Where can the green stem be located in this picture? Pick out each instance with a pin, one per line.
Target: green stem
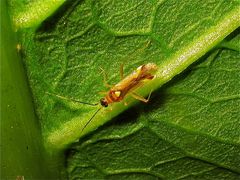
(35, 13)
(22, 151)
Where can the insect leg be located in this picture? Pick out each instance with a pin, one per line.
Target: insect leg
(103, 92)
(140, 98)
(121, 72)
(105, 78)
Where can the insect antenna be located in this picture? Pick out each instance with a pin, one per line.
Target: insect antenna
(71, 99)
(91, 119)
(77, 101)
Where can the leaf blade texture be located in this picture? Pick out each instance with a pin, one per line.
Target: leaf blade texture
(186, 116)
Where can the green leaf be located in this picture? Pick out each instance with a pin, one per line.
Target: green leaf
(190, 131)
(64, 55)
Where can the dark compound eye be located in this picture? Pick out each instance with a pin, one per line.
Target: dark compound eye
(103, 102)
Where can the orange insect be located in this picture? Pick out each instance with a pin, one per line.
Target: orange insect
(126, 86)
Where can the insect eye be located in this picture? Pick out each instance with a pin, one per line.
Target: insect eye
(103, 102)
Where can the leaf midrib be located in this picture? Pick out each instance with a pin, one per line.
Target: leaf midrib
(170, 68)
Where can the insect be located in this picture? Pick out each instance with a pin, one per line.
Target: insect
(125, 87)
(128, 84)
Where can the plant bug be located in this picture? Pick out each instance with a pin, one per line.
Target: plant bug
(128, 84)
(125, 87)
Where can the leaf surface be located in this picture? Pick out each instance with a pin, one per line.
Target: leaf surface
(193, 120)
(191, 130)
